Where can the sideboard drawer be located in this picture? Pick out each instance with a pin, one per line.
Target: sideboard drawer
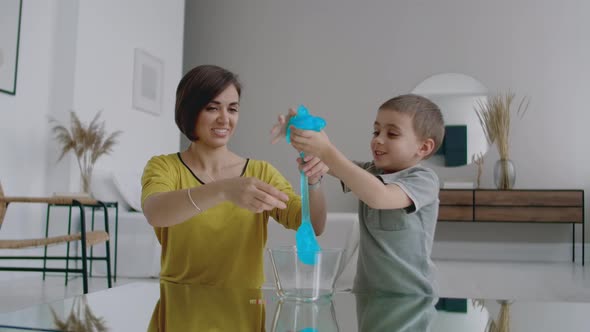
(456, 197)
(528, 214)
(455, 213)
(529, 198)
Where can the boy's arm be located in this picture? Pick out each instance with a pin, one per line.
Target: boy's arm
(366, 186)
(363, 184)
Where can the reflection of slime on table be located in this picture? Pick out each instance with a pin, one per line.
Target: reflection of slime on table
(307, 244)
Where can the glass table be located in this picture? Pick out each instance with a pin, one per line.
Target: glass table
(152, 306)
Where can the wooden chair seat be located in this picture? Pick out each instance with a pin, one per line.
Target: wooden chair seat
(92, 238)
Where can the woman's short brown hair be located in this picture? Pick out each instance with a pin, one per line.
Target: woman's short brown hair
(426, 116)
(195, 90)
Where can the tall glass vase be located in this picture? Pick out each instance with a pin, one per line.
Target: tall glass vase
(504, 174)
(85, 182)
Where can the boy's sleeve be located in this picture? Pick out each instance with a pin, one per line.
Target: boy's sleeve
(420, 184)
(366, 165)
(289, 217)
(157, 177)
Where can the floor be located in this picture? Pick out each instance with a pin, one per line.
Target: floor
(563, 282)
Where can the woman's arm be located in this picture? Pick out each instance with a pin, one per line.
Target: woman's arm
(174, 207)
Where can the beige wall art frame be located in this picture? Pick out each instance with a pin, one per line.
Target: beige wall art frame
(148, 76)
(10, 18)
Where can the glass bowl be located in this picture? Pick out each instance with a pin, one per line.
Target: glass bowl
(296, 280)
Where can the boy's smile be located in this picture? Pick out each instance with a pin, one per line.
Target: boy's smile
(395, 145)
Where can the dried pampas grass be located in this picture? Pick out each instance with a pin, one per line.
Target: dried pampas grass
(495, 115)
(87, 142)
(500, 324)
(80, 319)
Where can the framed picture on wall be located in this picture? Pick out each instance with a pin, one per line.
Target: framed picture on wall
(148, 75)
(10, 16)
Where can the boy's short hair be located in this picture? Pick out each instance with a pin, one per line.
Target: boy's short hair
(426, 116)
(195, 90)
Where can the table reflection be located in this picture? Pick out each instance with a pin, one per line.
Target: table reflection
(316, 316)
(191, 308)
(199, 308)
(174, 307)
(390, 312)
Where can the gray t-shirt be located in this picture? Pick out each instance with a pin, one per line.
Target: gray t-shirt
(395, 245)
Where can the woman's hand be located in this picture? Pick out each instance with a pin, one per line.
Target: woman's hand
(279, 130)
(313, 168)
(254, 194)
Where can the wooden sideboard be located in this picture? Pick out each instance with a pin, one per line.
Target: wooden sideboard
(514, 206)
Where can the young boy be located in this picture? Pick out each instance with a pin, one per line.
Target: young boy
(398, 197)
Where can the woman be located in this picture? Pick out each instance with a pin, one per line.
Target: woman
(209, 206)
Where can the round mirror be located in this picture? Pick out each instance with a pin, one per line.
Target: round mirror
(457, 96)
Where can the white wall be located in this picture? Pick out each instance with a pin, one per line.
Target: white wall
(23, 122)
(22, 116)
(108, 33)
(343, 58)
(78, 55)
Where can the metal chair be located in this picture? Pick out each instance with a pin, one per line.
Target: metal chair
(87, 239)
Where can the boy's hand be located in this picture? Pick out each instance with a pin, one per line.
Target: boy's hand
(313, 168)
(310, 142)
(279, 130)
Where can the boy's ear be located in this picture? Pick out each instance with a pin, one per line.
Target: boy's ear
(426, 148)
